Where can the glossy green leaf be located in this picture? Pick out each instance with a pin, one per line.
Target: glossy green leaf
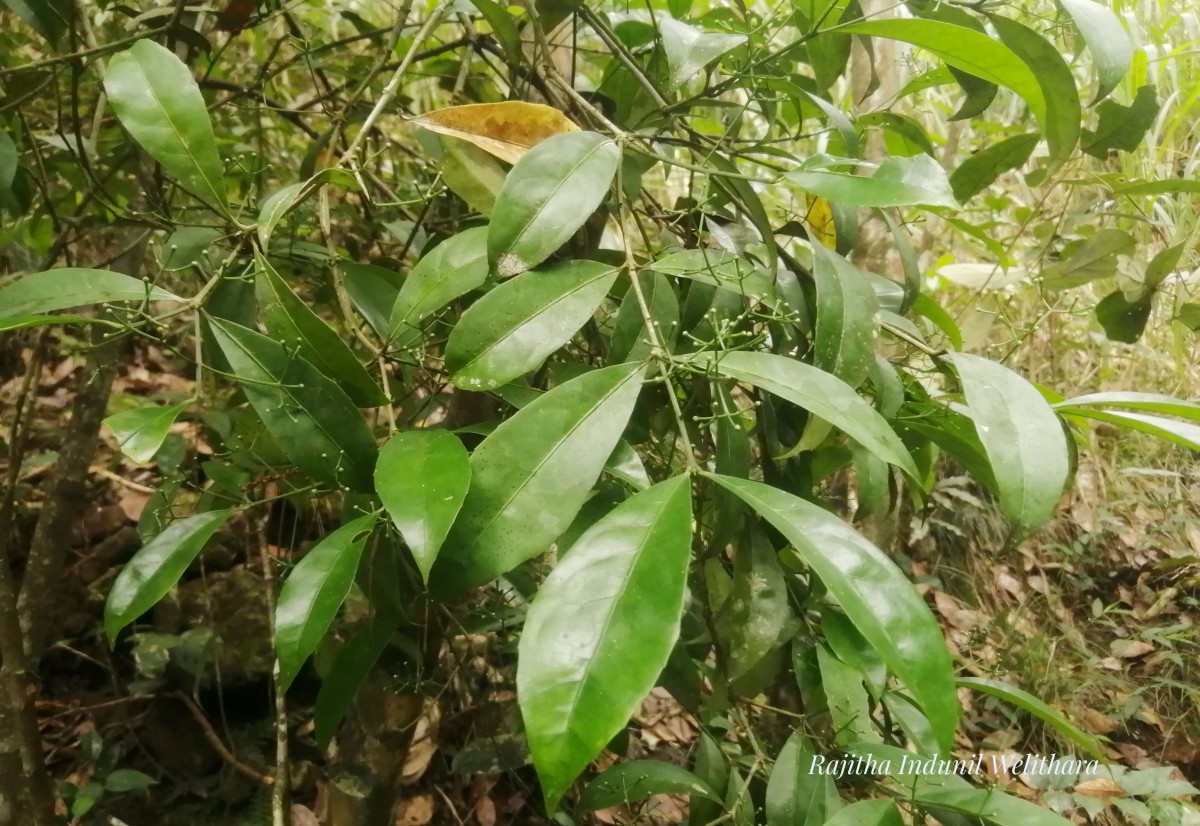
(373, 292)
(453, 268)
(52, 290)
(634, 780)
(874, 594)
(868, 813)
(473, 174)
(311, 418)
(293, 324)
(1023, 438)
(720, 269)
(757, 609)
(1028, 703)
(422, 478)
(733, 457)
(1182, 433)
(818, 392)
(1061, 126)
(1123, 318)
(21, 322)
(600, 630)
(925, 306)
(1154, 402)
(1122, 127)
(1110, 47)
(349, 670)
(915, 181)
(796, 795)
(156, 568)
(141, 432)
(274, 207)
(533, 473)
(852, 648)
(712, 767)
(1093, 259)
(630, 341)
(846, 326)
(547, 196)
(979, 171)
(313, 593)
(847, 700)
(511, 330)
(689, 49)
(974, 52)
(157, 100)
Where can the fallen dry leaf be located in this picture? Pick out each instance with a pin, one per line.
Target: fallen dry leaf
(415, 811)
(303, 816)
(1130, 649)
(507, 130)
(1104, 788)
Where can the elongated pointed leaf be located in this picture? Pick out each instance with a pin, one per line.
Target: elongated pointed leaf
(915, 181)
(796, 795)
(974, 52)
(630, 340)
(849, 706)
(689, 49)
(532, 475)
(311, 418)
(1027, 702)
(846, 325)
(1182, 433)
(874, 594)
(422, 478)
(868, 813)
(290, 321)
(156, 568)
(1153, 402)
(10, 160)
(634, 780)
(21, 322)
(158, 102)
(52, 290)
(979, 171)
(1092, 259)
(140, 433)
(720, 269)
(1064, 116)
(1122, 127)
(512, 329)
(1022, 437)
(1110, 47)
(453, 268)
(547, 196)
(757, 609)
(821, 394)
(313, 594)
(601, 629)
(349, 670)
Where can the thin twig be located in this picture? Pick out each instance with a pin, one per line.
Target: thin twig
(214, 740)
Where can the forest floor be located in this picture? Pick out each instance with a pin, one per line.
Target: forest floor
(1096, 615)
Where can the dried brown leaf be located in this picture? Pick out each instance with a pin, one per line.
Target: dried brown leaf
(507, 130)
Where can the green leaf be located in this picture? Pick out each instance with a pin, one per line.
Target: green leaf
(373, 291)
(156, 568)
(634, 780)
(915, 181)
(453, 268)
(547, 196)
(874, 594)
(293, 324)
(1187, 186)
(1028, 703)
(720, 269)
(689, 49)
(314, 422)
(757, 608)
(852, 649)
(422, 478)
(533, 473)
(512, 329)
(1189, 316)
(1111, 49)
(846, 698)
(49, 18)
(349, 670)
(797, 796)
(1122, 127)
(471, 173)
(974, 52)
(313, 594)
(1023, 438)
(713, 769)
(274, 207)
(1095, 258)
(601, 629)
(819, 393)
(1122, 318)
(630, 341)
(1182, 433)
(1162, 265)
(846, 326)
(868, 813)
(1063, 113)
(9, 162)
(157, 100)
(979, 171)
(21, 322)
(51, 290)
(127, 780)
(140, 433)
(1154, 402)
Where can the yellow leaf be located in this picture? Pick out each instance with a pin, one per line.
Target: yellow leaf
(507, 130)
(820, 221)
